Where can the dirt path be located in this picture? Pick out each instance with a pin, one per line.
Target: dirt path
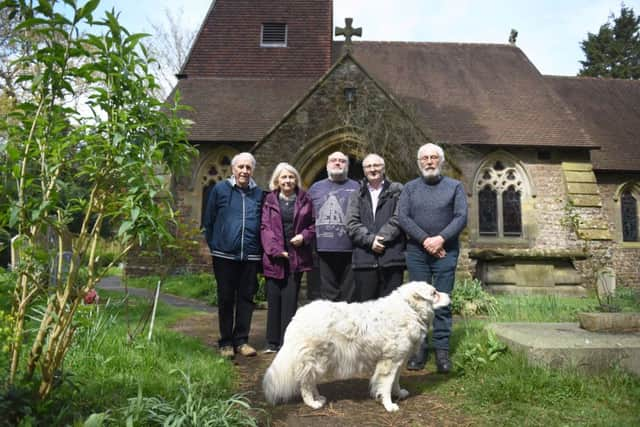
(349, 402)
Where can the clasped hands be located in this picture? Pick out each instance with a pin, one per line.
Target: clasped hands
(434, 246)
(296, 241)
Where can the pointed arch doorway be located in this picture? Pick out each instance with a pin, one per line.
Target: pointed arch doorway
(311, 160)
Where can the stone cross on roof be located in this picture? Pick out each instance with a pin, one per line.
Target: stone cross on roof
(348, 31)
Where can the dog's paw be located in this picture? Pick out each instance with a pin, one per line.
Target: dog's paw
(391, 407)
(316, 404)
(403, 394)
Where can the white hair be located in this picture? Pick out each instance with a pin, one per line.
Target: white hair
(431, 146)
(374, 157)
(282, 167)
(244, 155)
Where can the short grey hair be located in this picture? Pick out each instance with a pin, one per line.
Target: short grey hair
(282, 167)
(373, 156)
(240, 156)
(435, 147)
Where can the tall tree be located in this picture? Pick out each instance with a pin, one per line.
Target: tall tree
(169, 44)
(116, 143)
(615, 50)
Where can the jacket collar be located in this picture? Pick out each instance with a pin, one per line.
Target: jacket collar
(232, 181)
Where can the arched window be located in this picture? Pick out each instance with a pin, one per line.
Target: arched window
(501, 187)
(629, 214)
(216, 168)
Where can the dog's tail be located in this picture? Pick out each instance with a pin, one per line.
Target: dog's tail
(279, 383)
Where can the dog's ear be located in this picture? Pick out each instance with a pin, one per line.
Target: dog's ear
(421, 291)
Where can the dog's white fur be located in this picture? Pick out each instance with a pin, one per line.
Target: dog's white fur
(339, 340)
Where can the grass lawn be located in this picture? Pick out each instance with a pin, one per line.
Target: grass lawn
(115, 373)
(119, 375)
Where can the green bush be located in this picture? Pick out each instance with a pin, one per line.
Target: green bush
(469, 298)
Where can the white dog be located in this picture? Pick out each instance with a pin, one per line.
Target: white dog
(339, 340)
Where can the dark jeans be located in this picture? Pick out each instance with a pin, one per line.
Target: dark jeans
(374, 283)
(237, 285)
(336, 276)
(441, 273)
(282, 300)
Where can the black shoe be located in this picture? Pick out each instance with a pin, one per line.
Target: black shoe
(418, 360)
(443, 364)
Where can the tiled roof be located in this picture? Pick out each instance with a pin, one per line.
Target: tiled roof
(609, 109)
(238, 110)
(473, 93)
(228, 43)
(459, 93)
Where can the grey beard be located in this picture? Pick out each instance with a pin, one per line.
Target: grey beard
(431, 175)
(338, 176)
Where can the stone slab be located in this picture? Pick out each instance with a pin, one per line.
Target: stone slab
(566, 345)
(594, 234)
(558, 290)
(585, 200)
(573, 176)
(573, 166)
(582, 188)
(610, 322)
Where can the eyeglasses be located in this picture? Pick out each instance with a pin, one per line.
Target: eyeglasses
(338, 160)
(425, 158)
(373, 166)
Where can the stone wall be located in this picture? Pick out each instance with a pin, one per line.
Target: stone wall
(623, 257)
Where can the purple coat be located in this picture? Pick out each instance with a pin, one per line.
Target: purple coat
(272, 235)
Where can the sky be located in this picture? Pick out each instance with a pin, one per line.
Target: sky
(549, 31)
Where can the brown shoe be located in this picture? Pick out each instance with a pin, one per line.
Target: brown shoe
(246, 350)
(227, 352)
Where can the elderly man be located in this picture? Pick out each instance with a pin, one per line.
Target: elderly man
(372, 223)
(330, 197)
(232, 231)
(433, 212)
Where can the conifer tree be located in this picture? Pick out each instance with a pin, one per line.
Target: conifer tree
(615, 50)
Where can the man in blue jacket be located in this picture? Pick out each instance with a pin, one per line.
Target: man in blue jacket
(433, 212)
(232, 231)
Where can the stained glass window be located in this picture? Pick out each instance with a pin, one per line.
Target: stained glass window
(488, 211)
(500, 189)
(629, 207)
(511, 212)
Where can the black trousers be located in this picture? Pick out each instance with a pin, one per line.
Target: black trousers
(282, 300)
(374, 283)
(336, 276)
(237, 286)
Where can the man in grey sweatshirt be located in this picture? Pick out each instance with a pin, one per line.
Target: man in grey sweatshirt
(433, 212)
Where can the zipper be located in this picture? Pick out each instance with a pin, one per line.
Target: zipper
(244, 216)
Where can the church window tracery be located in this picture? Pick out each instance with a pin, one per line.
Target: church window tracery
(629, 214)
(500, 188)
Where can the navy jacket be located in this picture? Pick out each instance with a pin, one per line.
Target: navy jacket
(232, 221)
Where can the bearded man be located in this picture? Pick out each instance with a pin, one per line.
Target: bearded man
(433, 212)
(330, 198)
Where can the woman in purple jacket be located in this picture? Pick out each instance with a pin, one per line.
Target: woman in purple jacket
(287, 232)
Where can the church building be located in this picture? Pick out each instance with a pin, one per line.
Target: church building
(551, 165)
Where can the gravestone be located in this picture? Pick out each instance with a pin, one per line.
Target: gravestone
(606, 283)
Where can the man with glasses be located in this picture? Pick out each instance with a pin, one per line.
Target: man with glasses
(330, 197)
(433, 212)
(372, 223)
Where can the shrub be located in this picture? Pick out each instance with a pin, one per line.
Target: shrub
(469, 298)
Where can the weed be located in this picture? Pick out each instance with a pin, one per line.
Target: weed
(475, 353)
(469, 298)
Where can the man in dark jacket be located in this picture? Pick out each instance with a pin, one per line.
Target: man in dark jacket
(232, 231)
(372, 224)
